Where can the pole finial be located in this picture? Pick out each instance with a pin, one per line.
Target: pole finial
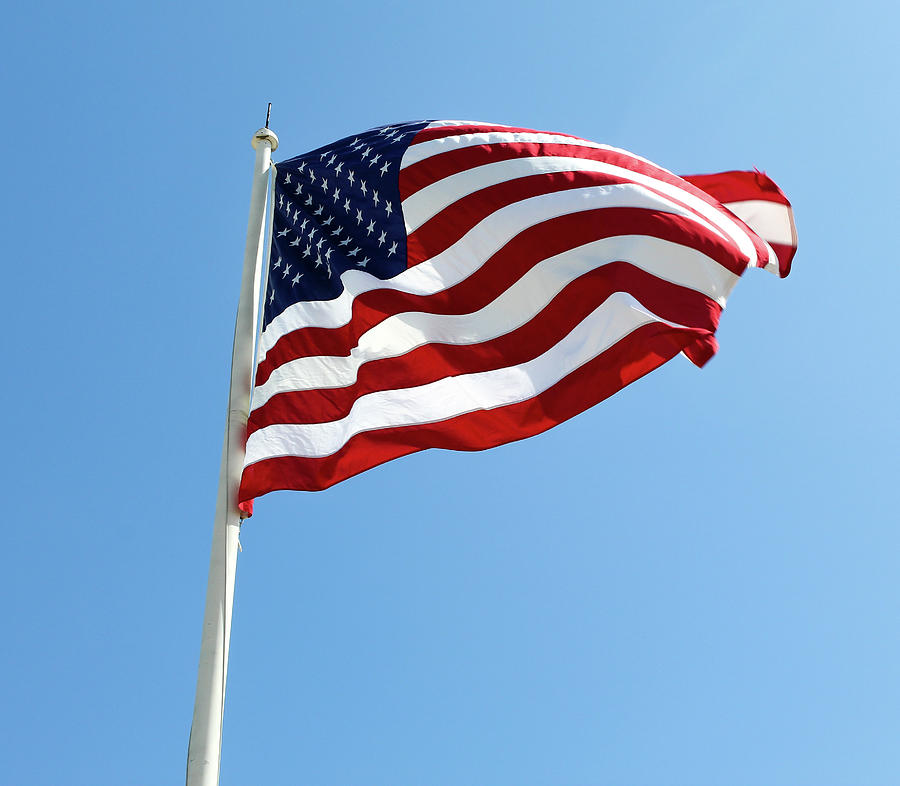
(268, 112)
(265, 135)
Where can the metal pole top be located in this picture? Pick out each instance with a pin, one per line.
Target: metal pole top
(265, 135)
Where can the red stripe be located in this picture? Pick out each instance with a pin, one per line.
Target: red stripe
(785, 256)
(495, 276)
(743, 186)
(415, 177)
(739, 186)
(434, 168)
(432, 362)
(466, 212)
(453, 222)
(634, 356)
(460, 217)
(442, 165)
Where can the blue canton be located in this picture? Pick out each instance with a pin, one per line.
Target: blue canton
(337, 208)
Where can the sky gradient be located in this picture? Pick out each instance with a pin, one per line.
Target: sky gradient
(694, 582)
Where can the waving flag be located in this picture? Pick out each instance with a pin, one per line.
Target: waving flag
(462, 285)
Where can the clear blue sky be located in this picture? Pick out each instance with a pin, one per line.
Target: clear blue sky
(693, 583)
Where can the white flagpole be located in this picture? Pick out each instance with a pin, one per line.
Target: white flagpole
(205, 744)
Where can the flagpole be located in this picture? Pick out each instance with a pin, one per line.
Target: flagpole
(205, 743)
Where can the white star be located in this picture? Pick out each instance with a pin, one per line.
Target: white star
(365, 153)
(303, 224)
(319, 211)
(308, 201)
(345, 241)
(319, 244)
(375, 197)
(381, 239)
(388, 208)
(363, 262)
(393, 248)
(371, 227)
(272, 296)
(338, 168)
(329, 270)
(359, 217)
(307, 251)
(332, 159)
(350, 177)
(281, 200)
(375, 159)
(347, 205)
(287, 178)
(322, 155)
(301, 167)
(312, 232)
(295, 242)
(287, 269)
(336, 195)
(384, 168)
(327, 221)
(283, 232)
(328, 254)
(354, 252)
(337, 231)
(278, 263)
(318, 261)
(296, 215)
(299, 189)
(312, 176)
(296, 278)
(324, 185)
(362, 185)
(288, 210)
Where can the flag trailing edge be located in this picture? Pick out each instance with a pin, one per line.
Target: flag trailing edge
(462, 285)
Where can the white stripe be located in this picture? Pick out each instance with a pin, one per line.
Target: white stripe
(429, 201)
(522, 302)
(464, 257)
(772, 221)
(419, 151)
(452, 396)
(773, 265)
(446, 123)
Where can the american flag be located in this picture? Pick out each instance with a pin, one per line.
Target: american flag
(462, 285)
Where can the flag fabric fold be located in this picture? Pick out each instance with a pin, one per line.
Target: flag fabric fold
(754, 198)
(462, 285)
